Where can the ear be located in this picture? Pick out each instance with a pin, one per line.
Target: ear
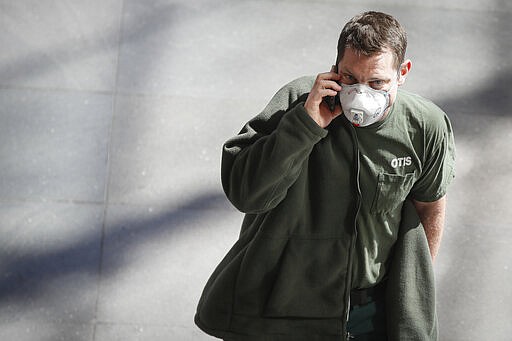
(404, 71)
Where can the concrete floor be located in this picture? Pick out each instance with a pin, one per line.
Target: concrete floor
(112, 117)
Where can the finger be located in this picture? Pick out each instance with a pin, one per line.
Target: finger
(326, 88)
(329, 92)
(323, 93)
(326, 77)
(330, 84)
(329, 75)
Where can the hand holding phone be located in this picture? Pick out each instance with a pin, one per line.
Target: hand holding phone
(322, 103)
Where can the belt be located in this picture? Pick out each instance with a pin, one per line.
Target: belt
(360, 297)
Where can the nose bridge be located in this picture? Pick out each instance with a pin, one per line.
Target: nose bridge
(364, 82)
(365, 74)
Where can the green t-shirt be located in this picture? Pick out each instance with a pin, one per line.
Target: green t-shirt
(410, 153)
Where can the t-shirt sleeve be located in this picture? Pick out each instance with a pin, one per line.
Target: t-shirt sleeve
(438, 168)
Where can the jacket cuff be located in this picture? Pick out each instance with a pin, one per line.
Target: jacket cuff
(299, 117)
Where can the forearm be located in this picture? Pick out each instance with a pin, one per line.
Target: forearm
(432, 216)
(256, 176)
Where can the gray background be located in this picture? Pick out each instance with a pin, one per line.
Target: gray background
(112, 117)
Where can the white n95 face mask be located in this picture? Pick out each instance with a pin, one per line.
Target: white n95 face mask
(363, 105)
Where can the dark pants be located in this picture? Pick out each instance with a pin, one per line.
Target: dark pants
(368, 322)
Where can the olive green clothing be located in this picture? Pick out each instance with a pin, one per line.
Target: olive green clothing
(323, 211)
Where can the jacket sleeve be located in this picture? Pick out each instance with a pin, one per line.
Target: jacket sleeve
(261, 163)
(410, 292)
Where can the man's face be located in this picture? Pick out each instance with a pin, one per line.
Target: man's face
(376, 71)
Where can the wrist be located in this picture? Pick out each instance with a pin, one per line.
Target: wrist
(309, 122)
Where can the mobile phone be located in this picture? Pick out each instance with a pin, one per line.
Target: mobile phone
(332, 101)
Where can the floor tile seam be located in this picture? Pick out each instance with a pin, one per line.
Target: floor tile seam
(62, 322)
(125, 94)
(51, 201)
(105, 322)
(108, 167)
(82, 91)
(181, 207)
(55, 89)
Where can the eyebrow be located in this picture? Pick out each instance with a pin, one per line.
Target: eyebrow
(373, 79)
(384, 79)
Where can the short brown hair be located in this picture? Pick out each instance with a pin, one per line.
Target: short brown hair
(372, 32)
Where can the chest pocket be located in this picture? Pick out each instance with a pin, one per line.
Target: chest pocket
(392, 189)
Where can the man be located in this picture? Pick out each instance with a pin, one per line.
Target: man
(325, 251)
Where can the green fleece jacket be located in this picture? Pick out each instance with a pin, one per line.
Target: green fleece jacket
(290, 274)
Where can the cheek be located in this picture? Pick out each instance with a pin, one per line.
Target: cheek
(392, 97)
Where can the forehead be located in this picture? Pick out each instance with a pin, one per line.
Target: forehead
(377, 64)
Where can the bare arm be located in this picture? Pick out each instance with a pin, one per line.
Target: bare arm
(432, 217)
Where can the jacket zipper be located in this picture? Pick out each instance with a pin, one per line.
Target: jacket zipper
(354, 237)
